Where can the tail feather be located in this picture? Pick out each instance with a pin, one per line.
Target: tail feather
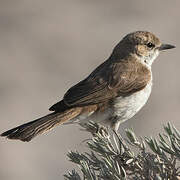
(31, 129)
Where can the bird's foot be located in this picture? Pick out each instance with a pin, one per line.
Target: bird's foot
(96, 129)
(103, 131)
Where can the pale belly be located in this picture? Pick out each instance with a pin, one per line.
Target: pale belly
(126, 107)
(122, 109)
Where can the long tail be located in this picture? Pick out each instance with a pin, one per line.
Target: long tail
(31, 129)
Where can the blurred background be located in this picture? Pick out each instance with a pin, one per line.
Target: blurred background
(48, 46)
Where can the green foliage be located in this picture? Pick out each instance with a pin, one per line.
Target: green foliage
(112, 158)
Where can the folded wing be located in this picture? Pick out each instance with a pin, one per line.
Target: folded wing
(105, 83)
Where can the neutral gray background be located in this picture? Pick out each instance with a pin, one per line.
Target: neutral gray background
(47, 46)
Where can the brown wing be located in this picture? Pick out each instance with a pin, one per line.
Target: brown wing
(129, 77)
(106, 82)
(89, 91)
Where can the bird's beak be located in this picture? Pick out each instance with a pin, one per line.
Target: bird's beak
(166, 46)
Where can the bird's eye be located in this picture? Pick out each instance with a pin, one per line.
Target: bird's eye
(150, 45)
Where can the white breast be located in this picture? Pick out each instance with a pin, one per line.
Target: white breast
(127, 107)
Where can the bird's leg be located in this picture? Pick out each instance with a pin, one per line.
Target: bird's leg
(120, 145)
(121, 142)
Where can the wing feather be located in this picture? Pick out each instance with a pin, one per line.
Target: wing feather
(107, 82)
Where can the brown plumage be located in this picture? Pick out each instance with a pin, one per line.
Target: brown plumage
(108, 93)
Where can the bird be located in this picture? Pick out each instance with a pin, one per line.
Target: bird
(113, 93)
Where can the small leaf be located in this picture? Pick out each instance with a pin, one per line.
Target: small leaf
(129, 161)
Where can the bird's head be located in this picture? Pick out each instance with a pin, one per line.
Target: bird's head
(142, 44)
